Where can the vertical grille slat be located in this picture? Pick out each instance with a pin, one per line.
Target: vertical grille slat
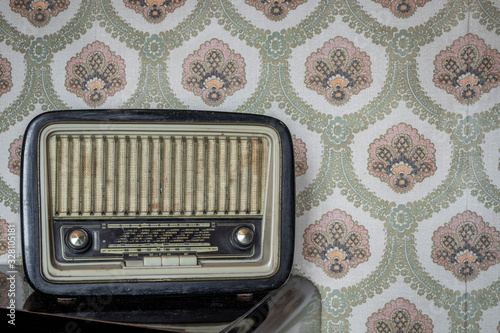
(116, 166)
(55, 171)
(93, 176)
(86, 174)
(132, 177)
(140, 176)
(183, 180)
(110, 175)
(121, 170)
(150, 175)
(188, 181)
(172, 174)
(99, 176)
(254, 175)
(259, 178)
(105, 147)
(162, 176)
(194, 176)
(154, 179)
(205, 177)
(177, 177)
(216, 183)
(249, 175)
(80, 175)
(237, 202)
(227, 168)
(123, 175)
(69, 174)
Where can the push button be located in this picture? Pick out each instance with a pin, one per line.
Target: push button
(170, 260)
(152, 261)
(188, 260)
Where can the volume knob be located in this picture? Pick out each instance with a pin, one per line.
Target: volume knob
(78, 240)
(243, 237)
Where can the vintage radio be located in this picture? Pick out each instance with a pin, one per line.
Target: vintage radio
(156, 202)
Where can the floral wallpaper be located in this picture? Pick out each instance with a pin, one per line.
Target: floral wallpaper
(393, 106)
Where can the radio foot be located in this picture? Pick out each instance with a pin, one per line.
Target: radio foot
(244, 297)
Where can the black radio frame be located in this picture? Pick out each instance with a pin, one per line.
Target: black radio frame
(30, 209)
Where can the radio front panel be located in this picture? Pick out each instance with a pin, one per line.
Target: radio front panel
(134, 241)
(122, 198)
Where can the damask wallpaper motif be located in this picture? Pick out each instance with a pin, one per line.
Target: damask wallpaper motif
(393, 104)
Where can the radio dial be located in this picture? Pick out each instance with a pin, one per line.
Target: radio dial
(78, 240)
(244, 236)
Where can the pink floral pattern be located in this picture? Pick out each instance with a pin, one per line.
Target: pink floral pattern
(214, 72)
(338, 71)
(299, 153)
(15, 156)
(467, 69)
(39, 12)
(95, 73)
(399, 316)
(154, 10)
(5, 76)
(275, 9)
(336, 243)
(401, 157)
(402, 8)
(4, 231)
(466, 246)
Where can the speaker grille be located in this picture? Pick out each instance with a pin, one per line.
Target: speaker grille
(145, 175)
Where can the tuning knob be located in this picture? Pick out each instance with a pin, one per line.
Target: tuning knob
(243, 237)
(78, 240)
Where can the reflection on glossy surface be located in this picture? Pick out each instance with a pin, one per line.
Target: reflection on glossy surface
(295, 307)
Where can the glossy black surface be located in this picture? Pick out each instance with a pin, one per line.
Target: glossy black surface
(294, 307)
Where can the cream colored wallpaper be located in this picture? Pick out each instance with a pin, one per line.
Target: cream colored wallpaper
(394, 108)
